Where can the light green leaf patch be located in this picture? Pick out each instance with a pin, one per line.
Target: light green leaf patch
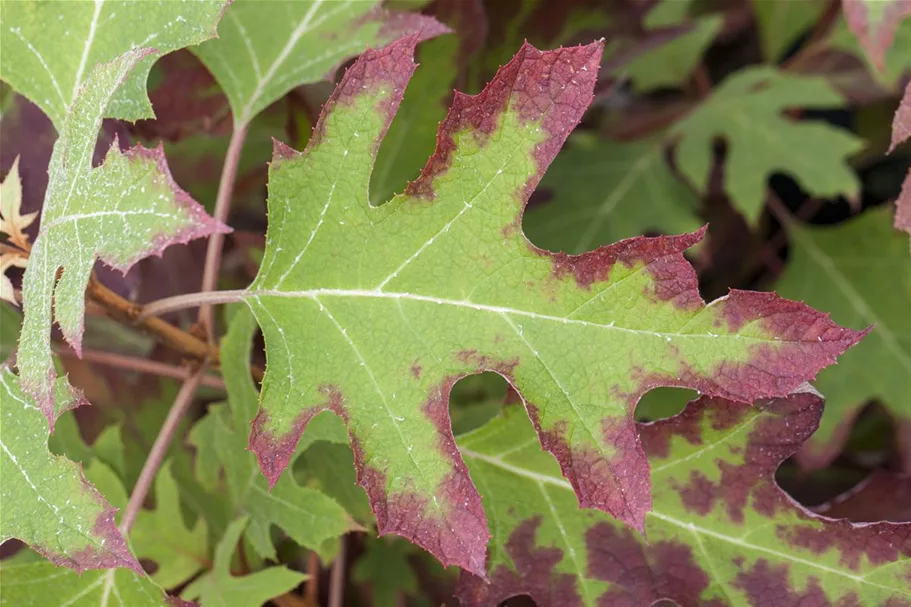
(124, 210)
(604, 191)
(262, 54)
(308, 516)
(860, 272)
(746, 111)
(49, 49)
(219, 588)
(44, 499)
(25, 581)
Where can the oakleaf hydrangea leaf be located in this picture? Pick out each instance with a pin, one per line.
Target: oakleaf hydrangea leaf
(124, 210)
(308, 516)
(218, 588)
(46, 501)
(49, 49)
(901, 131)
(874, 23)
(27, 581)
(385, 567)
(373, 312)
(161, 535)
(860, 272)
(746, 111)
(262, 54)
(604, 191)
(721, 531)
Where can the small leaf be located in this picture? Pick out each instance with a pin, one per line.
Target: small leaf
(721, 531)
(746, 111)
(308, 516)
(442, 283)
(781, 24)
(12, 222)
(31, 582)
(49, 49)
(262, 54)
(124, 210)
(219, 588)
(162, 536)
(46, 502)
(384, 565)
(860, 272)
(605, 191)
(874, 23)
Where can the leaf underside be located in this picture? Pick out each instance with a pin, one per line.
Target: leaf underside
(373, 312)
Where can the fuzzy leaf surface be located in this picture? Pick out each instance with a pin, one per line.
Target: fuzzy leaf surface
(721, 531)
(262, 54)
(308, 516)
(874, 23)
(746, 111)
(218, 588)
(860, 272)
(604, 191)
(131, 195)
(27, 581)
(373, 312)
(46, 501)
(49, 49)
(901, 131)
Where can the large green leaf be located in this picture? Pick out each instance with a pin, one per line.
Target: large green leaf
(44, 499)
(308, 516)
(26, 581)
(374, 312)
(218, 588)
(50, 49)
(721, 531)
(860, 272)
(604, 191)
(262, 54)
(746, 111)
(124, 210)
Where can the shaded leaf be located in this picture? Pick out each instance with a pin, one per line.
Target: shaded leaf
(308, 516)
(27, 581)
(746, 112)
(131, 195)
(50, 49)
(782, 23)
(219, 588)
(46, 502)
(442, 283)
(860, 272)
(10, 324)
(897, 58)
(721, 531)
(874, 23)
(262, 54)
(162, 536)
(384, 566)
(605, 191)
(882, 496)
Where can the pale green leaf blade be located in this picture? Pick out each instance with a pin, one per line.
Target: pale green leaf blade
(373, 312)
(860, 272)
(49, 49)
(163, 536)
(131, 195)
(218, 588)
(44, 499)
(262, 54)
(721, 532)
(605, 191)
(26, 582)
(746, 111)
(308, 516)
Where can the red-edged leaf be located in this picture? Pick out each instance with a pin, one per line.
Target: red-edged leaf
(874, 23)
(901, 130)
